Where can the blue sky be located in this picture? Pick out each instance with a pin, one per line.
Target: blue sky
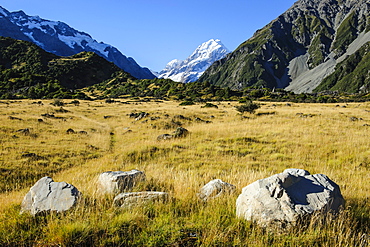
(154, 32)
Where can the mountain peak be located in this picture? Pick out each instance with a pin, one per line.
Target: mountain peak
(193, 67)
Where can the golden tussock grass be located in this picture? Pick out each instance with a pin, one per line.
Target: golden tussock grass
(239, 149)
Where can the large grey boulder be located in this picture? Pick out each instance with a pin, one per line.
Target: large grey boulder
(119, 181)
(215, 188)
(139, 198)
(283, 198)
(47, 195)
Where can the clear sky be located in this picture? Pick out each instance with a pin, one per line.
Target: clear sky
(154, 32)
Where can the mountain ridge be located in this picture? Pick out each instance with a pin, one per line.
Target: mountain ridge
(314, 31)
(59, 38)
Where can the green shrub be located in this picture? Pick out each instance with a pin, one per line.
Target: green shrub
(57, 102)
(249, 107)
(209, 105)
(188, 102)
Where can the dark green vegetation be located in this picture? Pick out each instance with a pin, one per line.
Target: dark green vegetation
(27, 71)
(347, 32)
(161, 88)
(249, 107)
(351, 75)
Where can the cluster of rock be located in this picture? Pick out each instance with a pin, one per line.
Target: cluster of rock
(138, 115)
(279, 200)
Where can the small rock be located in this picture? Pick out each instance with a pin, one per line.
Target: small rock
(70, 131)
(15, 118)
(25, 131)
(178, 133)
(141, 116)
(182, 117)
(139, 198)
(119, 181)
(215, 188)
(164, 137)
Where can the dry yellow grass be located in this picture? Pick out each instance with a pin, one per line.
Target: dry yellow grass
(321, 138)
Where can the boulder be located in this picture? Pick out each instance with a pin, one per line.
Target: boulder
(139, 198)
(178, 133)
(215, 188)
(282, 199)
(47, 195)
(70, 131)
(118, 181)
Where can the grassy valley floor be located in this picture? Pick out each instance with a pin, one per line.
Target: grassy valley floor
(239, 149)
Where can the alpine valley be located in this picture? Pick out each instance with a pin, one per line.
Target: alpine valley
(60, 39)
(315, 46)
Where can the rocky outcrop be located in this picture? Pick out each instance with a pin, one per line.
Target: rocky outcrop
(119, 181)
(47, 195)
(284, 198)
(215, 188)
(131, 199)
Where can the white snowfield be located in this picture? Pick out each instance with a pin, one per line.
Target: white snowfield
(77, 39)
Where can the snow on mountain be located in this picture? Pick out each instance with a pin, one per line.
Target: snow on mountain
(3, 11)
(193, 67)
(59, 38)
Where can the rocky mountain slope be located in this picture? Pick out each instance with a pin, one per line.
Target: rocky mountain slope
(60, 39)
(194, 66)
(300, 49)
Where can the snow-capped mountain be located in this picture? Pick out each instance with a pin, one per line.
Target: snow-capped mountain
(59, 38)
(193, 67)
